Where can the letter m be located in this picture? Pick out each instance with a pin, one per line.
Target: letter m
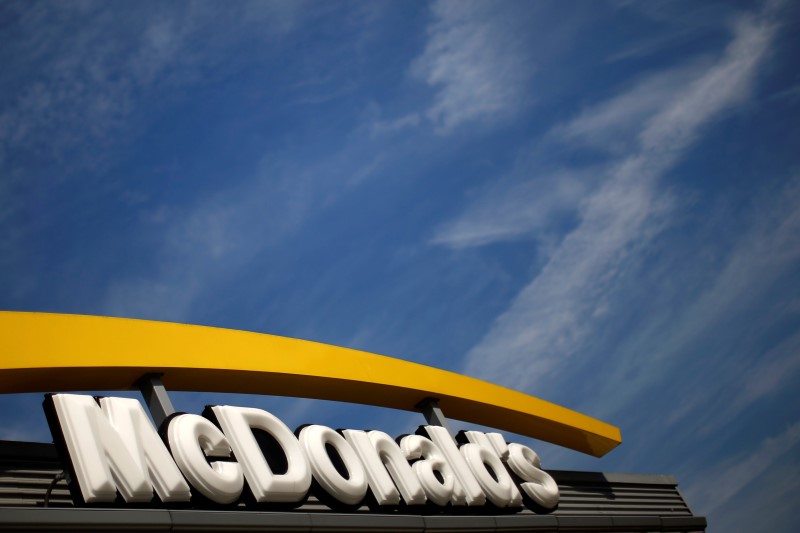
(114, 447)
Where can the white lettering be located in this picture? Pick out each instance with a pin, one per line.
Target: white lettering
(192, 438)
(349, 490)
(466, 490)
(483, 455)
(115, 450)
(147, 448)
(397, 465)
(430, 461)
(114, 453)
(237, 423)
(539, 485)
(386, 467)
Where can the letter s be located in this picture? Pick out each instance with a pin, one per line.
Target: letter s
(539, 485)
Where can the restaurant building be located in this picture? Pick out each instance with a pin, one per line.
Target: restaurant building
(113, 466)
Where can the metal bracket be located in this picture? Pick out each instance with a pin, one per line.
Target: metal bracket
(156, 397)
(433, 413)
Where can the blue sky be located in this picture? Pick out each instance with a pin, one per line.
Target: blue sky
(594, 203)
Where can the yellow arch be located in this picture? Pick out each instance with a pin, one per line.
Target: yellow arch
(54, 352)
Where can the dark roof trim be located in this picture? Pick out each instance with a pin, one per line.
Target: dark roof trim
(52, 519)
(28, 451)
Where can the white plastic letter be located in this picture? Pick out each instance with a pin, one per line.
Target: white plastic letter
(539, 485)
(498, 443)
(485, 450)
(501, 491)
(146, 447)
(377, 477)
(350, 490)
(192, 438)
(237, 423)
(466, 488)
(432, 460)
(101, 458)
(386, 467)
(397, 465)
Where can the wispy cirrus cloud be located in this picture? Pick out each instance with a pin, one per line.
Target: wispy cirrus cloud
(478, 63)
(723, 372)
(84, 68)
(727, 478)
(773, 488)
(206, 245)
(614, 125)
(533, 196)
(212, 241)
(518, 206)
(89, 77)
(553, 316)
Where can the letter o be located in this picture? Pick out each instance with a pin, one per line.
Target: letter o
(350, 491)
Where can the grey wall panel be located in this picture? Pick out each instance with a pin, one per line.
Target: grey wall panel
(238, 521)
(130, 520)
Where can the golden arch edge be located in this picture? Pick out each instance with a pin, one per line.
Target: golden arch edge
(42, 352)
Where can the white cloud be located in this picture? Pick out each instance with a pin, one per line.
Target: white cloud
(217, 237)
(767, 503)
(780, 367)
(651, 120)
(736, 374)
(78, 75)
(81, 68)
(476, 59)
(614, 124)
(205, 246)
(686, 22)
(385, 127)
(727, 83)
(724, 480)
(522, 205)
(551, 318)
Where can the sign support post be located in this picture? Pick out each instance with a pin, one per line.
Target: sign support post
(433, 413)
(156, 397)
